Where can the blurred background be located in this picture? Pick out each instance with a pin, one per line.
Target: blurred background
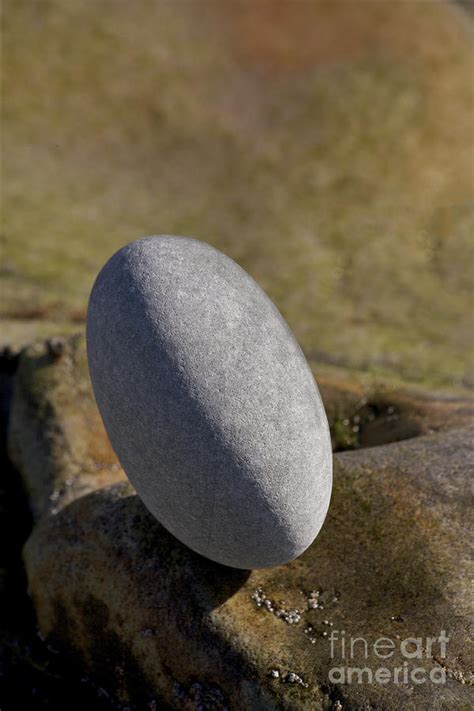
(324, 145)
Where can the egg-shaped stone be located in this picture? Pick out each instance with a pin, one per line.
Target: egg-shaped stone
(209, 402)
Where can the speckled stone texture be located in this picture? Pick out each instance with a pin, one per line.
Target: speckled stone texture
(209, 402)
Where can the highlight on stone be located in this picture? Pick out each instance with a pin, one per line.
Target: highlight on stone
(209, 402)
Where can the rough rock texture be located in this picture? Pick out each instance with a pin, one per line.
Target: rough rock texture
(153, 623)
(56, 438)
(209, 402)
(31, 676)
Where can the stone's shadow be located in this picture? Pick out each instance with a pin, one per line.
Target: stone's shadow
(125, 588)
(136, 535)
(215, 582)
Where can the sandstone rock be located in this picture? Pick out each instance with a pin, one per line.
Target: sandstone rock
(56, 438)
(153, 623)
(209, 402)
(151, 619)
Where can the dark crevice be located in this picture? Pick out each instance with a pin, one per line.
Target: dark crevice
(370, 423)
(31, 674)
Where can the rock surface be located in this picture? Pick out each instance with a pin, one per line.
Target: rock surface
(154, 624)
(56, 436)
(209, 402)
